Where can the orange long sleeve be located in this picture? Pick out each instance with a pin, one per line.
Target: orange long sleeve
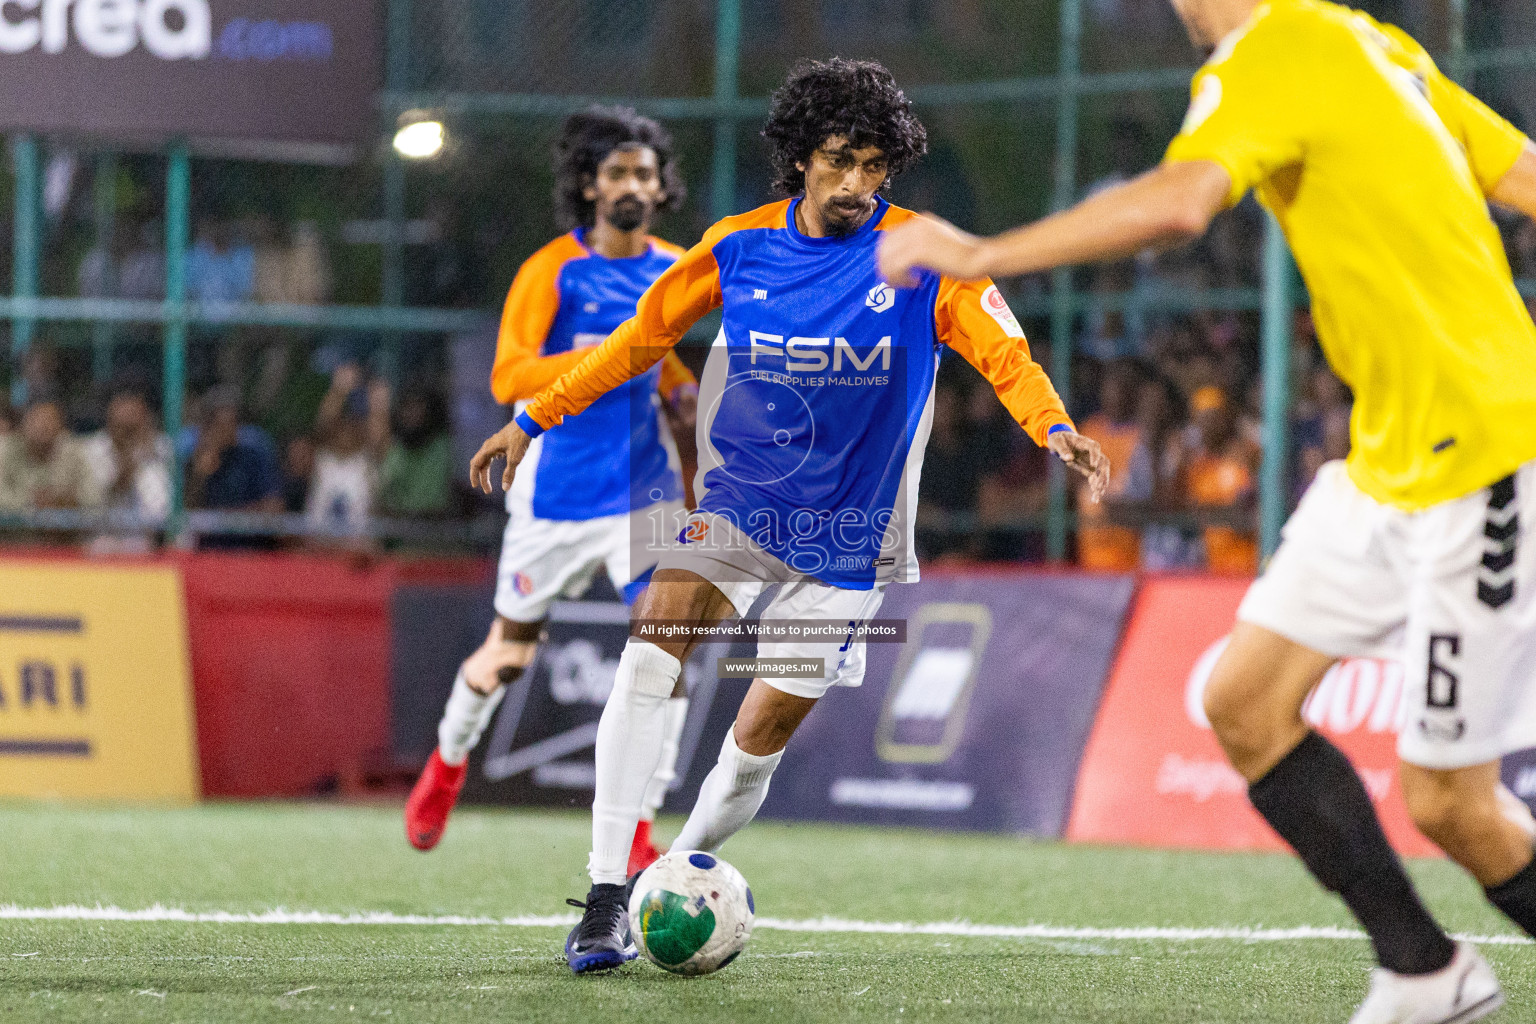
(973, 319)
(532, 302)
(689, 289)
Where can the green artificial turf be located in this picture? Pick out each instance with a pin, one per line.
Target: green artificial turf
(253, 858)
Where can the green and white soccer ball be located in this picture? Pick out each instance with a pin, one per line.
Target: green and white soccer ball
(690, 913)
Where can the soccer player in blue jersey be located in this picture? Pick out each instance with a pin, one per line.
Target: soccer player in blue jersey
(569, 509)
(815, 406)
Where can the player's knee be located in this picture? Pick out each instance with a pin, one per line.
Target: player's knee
(1442, 811)
(1435, 816)
(1254, 726)
(761, 735)
(1239, 722)
(647, 671)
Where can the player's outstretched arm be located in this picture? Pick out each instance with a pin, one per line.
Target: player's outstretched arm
(974, 320)
(1517, 189)
(1170, 204)
(673, 303)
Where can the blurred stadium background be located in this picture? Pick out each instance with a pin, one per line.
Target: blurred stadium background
(257, 260)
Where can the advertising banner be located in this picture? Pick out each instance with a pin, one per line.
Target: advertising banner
(977, 721)
(290, 658)
(538, 748)
(95, 695)
(1153, 773)
(146, 71)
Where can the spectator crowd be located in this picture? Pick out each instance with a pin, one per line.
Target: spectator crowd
(291, 423)
(1174, 398)
(366, 453)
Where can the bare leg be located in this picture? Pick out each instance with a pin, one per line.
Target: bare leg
(1255, 697)
(768, 718)
(1463, 812)
(509, 648)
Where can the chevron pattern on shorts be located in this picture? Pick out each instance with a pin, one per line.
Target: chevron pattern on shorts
(1501, 534)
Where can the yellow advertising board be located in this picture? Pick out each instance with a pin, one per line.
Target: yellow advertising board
(95, 686)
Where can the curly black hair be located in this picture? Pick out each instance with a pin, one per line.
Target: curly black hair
(855, 98)
(586, 139)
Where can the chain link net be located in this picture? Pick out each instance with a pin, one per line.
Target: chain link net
(501, 72)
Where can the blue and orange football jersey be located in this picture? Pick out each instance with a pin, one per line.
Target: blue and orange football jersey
(816, 402)
(611, 458)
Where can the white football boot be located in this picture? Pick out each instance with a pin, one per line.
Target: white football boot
(1462, 991)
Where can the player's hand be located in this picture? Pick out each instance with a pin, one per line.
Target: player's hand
(1084, 455)
(510, 443)
(928, 243)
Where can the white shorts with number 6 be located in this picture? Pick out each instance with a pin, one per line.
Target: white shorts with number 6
(1450, 590)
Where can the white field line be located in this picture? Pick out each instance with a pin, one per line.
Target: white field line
(836, 925)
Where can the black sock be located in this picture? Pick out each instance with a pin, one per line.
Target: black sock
(1517, 898)
(1317, 803)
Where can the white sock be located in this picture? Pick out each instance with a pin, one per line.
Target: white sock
(630, 737)
(464, 718)
(729, 797)
(666, 771)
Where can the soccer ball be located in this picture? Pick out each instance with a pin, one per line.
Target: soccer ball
(690, 913)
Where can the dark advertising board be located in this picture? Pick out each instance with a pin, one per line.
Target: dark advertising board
(1519, 772)
(212, 71)
(538, 748)
(976, 722)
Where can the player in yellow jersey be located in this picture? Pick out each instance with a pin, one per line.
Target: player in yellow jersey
(1379, 169)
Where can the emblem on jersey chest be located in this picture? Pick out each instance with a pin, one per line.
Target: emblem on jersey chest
(881, 297)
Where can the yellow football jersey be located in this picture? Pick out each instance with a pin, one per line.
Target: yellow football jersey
(1377, 167)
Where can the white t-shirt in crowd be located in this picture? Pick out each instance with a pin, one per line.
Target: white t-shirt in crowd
(150, 494)
(341, 491)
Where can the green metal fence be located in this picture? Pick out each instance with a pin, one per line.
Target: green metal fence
(727, 114)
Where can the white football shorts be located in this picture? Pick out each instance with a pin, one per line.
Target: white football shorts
(1450, 590)
(716, 550)
(544, 560)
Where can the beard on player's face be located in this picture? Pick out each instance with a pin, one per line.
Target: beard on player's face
(843, 214)
(628, 213)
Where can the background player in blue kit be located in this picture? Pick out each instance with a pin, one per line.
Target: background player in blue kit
(815, 409)
(569, 510)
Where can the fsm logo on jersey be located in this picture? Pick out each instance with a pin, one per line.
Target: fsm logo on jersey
(165, 29)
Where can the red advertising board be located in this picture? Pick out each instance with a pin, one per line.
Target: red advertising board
(1153, 773)
(290, 664)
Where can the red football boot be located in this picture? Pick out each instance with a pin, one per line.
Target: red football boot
(432, 800)
(642, 852)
